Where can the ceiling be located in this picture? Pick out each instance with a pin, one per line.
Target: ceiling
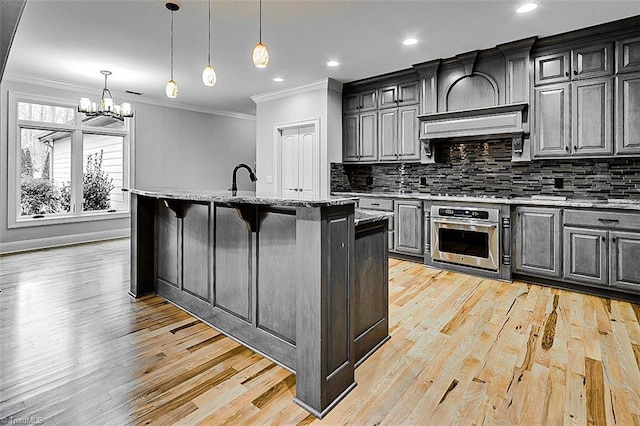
(70, 41)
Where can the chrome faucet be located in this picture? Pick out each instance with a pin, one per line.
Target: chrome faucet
(234, 185)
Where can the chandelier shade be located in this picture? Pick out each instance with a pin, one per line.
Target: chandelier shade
(106, 106)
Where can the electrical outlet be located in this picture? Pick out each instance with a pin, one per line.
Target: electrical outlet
(423, 181)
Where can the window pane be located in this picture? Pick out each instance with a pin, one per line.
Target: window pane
(102, 121)
(45, 113)
(45, 172)
(103, 172)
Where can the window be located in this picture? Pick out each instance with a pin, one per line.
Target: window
(65, 166)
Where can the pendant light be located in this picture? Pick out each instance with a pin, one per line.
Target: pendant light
(209, 76)
(260, 53)
(171, 89)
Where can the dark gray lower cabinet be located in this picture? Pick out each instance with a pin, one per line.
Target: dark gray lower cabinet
(371, 289)
(538, 237)
(408, 227)
(585, 255)
(602, 248)
(625, 260)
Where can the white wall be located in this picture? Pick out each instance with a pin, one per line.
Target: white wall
(173, 148)
(317, 101)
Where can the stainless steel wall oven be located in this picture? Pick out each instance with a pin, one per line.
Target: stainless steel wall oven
(466, 236)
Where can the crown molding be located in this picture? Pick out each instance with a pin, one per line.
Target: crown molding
(324, 84)
(54, 84)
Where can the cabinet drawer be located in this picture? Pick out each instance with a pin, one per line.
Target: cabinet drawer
(376, 204)
(602, 219)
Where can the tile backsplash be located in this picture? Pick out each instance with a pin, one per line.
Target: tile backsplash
(485, 168)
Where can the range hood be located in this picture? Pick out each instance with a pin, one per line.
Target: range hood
(485, 123)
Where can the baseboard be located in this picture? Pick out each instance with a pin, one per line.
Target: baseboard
(61, 240)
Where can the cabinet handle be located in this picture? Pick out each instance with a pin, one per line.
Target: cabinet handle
(575, 148)
(566, 74)
(603, 238)
(375, 204)
(566, 148)
(608, 220)
(575, 72)
(613, 240)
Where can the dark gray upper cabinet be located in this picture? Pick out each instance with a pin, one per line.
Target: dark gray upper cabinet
(589, 61)
(398, 134)
(360, 138)
(627, 115)
(552, 121)
(392, 135)
(400, 94)
(592, 117)
(366, 100)
(552, 68)
(628, 55)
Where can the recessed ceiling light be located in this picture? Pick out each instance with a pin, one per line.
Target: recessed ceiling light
(333, 63)
(278, 79)
(410, 41)
(527, 7)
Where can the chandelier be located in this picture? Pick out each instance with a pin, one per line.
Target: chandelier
(106, 106)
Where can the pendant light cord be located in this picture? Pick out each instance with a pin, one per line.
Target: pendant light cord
(260, 21)
(172, 45)
(209, 55)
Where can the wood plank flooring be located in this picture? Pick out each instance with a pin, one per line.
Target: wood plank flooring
(76, 349)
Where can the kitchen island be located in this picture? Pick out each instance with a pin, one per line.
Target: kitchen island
(280, 276)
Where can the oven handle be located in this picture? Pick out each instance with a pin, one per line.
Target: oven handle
(453, 222)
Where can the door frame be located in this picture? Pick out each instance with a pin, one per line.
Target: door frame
(278, 128)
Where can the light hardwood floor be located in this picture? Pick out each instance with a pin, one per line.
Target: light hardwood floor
(76, 349)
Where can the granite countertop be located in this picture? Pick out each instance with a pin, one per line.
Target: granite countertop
(364, 216)
(549, 201)
(242, 197)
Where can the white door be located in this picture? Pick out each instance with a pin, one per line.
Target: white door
(299, 166)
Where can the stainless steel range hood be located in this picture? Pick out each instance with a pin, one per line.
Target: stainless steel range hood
(480, 124)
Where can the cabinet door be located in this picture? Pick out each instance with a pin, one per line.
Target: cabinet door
(552, 68)
(290, 163)
(388, 134)
(538, 238)
(307, 163)
(594, 60)
(591, 113)
(351, 136)
(408, 227)
(351, 103)
(369, 136)
(628, 113)
(368, 100)
(625, 260)
(585, 255)
(409, 93)
(408, 140)
(389, 97)
(628, 55)
(551, 121)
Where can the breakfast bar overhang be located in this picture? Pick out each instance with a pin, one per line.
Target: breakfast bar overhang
(278, 275)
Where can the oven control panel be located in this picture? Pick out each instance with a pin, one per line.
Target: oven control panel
(466, 213)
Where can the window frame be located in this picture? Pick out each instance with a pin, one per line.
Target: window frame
(77, 129)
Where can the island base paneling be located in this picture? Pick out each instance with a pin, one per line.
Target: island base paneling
(279, 279)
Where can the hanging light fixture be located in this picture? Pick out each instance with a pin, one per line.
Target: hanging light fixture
(260, 53)
(209, 76)
(171, 89)
(107, 106)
